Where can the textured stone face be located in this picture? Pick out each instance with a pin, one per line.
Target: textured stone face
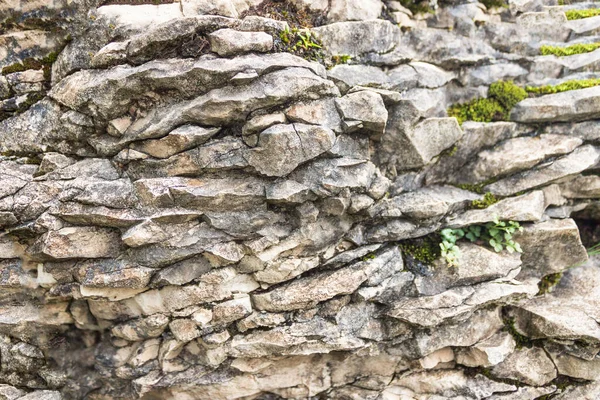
(239, 199)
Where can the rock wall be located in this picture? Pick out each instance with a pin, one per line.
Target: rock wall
(199, 201)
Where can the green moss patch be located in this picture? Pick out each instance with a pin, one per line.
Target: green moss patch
(548, 282)
(425, 249)
(417, 7)
(502, 97)
(563, 87)
(520, 340)
(488, 200)
(493, 3)
(580, 14)
(569, 50)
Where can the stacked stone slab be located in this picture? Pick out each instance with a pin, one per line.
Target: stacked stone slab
(191, 213)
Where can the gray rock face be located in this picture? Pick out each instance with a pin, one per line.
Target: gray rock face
(516, 155)
(532, 366)
(553, 245)
(358, 38)
(363, 110)
(200, 200)
(351, 10)
(581, 159)
(281, 148)
(227, 42)
(572, 105)
(414, 146)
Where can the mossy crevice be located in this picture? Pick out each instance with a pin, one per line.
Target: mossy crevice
(502, 97)
(563, 87)
(579, 48)
(580, 14)
(425, 249)
(488, 200)
(548, 282)
(520, 340)
(475, 187)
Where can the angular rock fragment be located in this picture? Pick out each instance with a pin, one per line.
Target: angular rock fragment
(529, 365)
(364, 107)
(430, 202)
(516, 155)
(178, 140)
(78, 242)
(527, 207)
(579, 160)
(408, 147)
(550, 246)
(281, 148)
(309, 291)
(142, 328)
(227, 42)
(113, 274)
(488, 352)
(572, 105)
(356, 38)
(349, 10)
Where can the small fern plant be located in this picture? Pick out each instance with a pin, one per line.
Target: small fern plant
(498, 234)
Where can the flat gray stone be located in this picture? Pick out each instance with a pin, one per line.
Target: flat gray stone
(227, 42)
(550, 246)
(517, 155)
(365, 108)
(359, 37)
(282, 148)
(572, 105)
(527, 207)
(579, 160)
(529, 365)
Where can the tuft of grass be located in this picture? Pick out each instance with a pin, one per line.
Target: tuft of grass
(340, 59)
(580, 14)
(563, 87)
(594, 250)
(502, 97)
(301, 42)
(569, 50)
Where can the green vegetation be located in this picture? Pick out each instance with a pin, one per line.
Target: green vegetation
(507, 94)
(340, 59)
(563, 87)
(579, 14)
(569, 50)
(488, 200)
(520, 340)
(502, 97)
(594, 250)
(548, 282)
(417, 7)
(370, 256)
(301, 42)
(425, 249)
(493, 3)
(32, 63)
(476, 187)
(498, 234)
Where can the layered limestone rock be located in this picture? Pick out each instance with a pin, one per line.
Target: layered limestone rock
(243, 200)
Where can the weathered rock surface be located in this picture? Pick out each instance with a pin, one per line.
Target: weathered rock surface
(572, 105)
(210, 200)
